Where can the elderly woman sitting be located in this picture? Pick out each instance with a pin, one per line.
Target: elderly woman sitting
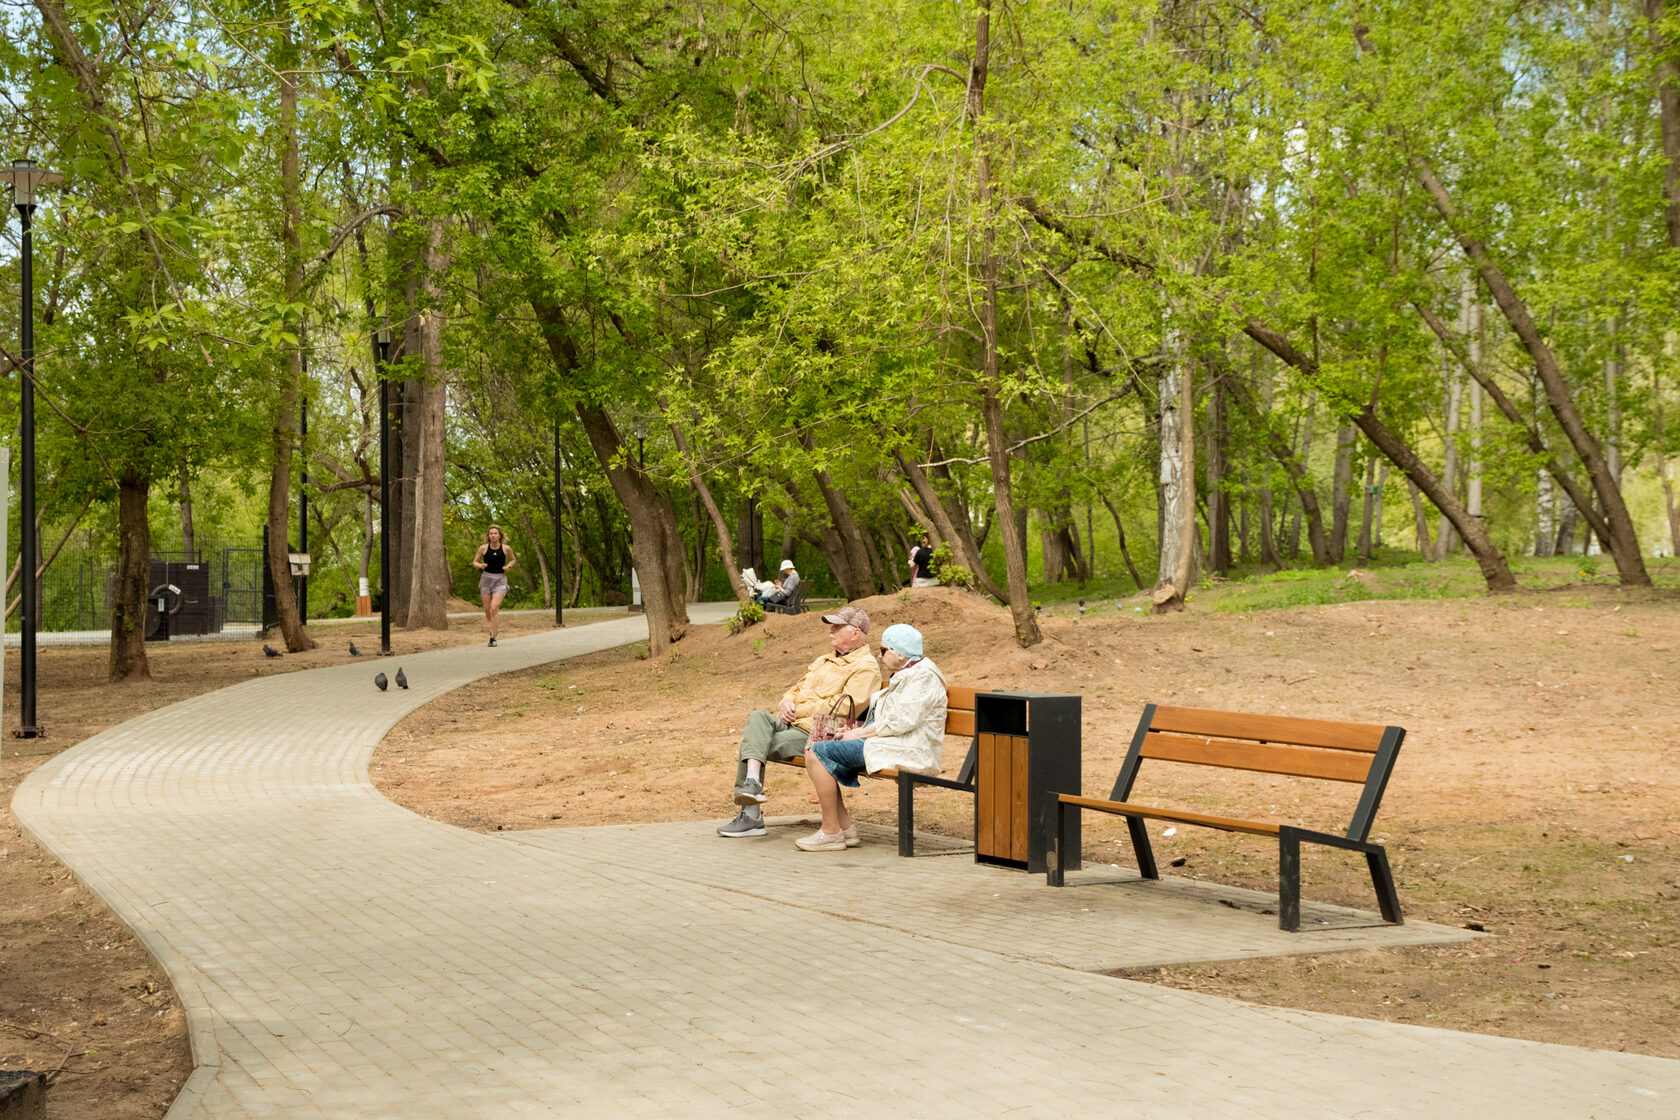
(904, 730)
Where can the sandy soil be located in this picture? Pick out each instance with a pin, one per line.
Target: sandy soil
(78, 994)
(1535, 797)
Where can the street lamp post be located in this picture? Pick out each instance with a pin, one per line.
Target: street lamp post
(560, 558)
(641, 454)
(384, 340)
(25, 177)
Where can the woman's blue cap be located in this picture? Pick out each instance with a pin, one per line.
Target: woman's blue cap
(903, 640)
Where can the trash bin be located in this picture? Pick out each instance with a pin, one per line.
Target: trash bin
(1029, 751)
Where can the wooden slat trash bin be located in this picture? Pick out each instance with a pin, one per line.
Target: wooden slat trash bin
(1029, 750)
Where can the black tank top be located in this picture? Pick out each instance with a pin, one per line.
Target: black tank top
(495, 561)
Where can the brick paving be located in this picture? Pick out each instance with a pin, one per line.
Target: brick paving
(341, 957)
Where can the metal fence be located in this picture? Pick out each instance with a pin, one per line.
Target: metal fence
(201, 594)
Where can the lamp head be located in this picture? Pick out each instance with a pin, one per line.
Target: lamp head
(25, 176)
(383, 337)
(641, 430)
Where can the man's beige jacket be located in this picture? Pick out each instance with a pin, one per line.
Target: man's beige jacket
(854, 674)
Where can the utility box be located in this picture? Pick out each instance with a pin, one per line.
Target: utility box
(1029, 751)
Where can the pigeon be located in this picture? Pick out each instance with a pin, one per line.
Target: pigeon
(354, 652)
(379, 681)
(1081, 606)
(402, 679)
(270, 651)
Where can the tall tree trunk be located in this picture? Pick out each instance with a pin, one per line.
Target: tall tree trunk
(952, 523)
(1624, 540)
(1496, 572)
(1218, 494)
(1367, 509)
(1535, 438)
(1299, 479)
(286, 402)
(850, 539)
(1444, 539)
(1172, 595)
(997, 451)
(1120, 535)
(1473, 477)
(134, 569)
(1425, 549)
(656, 543)
(726, 545)
(1341, 492)
(534, 544)
(1545, 507)
(428, 596)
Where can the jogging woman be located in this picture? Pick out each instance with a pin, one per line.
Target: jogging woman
(494, 560)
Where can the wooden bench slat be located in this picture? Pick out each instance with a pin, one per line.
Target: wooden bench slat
(1132, 809)
(1266, 758)
(959, 722)
(1271, 729)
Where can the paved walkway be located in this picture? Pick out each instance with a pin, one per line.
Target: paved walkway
(341, 957)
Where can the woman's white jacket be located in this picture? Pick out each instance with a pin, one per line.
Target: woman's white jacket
(909, 719)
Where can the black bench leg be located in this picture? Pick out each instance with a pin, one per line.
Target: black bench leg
(1140, 847)
(1289, 881)
(1058, 840)
(1383, 879)
(906, 816)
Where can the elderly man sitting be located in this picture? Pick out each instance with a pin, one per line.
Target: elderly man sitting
(848, 670)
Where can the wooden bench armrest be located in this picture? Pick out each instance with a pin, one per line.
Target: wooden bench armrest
(1133, 809)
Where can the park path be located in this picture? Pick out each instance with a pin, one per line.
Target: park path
(341, 957)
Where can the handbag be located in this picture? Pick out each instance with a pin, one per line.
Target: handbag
(834, 723)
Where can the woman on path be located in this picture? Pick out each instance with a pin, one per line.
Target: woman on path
(494, 560)
(905, 731)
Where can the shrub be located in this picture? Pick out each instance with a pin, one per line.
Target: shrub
(750, 614)
(946, 569)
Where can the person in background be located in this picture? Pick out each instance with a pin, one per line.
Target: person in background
(493, 560)
(921, 564)
(846, 670)
(904, 730)
(786, 584)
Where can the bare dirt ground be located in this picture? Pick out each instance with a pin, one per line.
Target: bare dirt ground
(1535, 797)
(78, 994)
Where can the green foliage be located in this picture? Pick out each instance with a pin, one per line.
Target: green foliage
(750, 614)
(947, 571)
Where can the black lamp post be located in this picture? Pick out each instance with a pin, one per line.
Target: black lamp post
(25, 177)
(641, 456)
(560, 558)
(383, 338)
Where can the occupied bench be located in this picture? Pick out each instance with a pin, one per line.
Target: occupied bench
(1307, 748)
(959, 720)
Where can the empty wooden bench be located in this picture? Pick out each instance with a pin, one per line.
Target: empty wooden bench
(1360, 753)
(959, 720)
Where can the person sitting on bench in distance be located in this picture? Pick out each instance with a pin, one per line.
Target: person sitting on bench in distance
(848, 670)
(904, 730)
(786, 584)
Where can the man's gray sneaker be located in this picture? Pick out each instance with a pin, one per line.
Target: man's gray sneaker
(746, 823)
(750, 792)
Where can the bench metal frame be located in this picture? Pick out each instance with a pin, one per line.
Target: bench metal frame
(1064, 826)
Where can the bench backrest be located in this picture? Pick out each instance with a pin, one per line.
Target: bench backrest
(1306, 748)
(959, 720)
